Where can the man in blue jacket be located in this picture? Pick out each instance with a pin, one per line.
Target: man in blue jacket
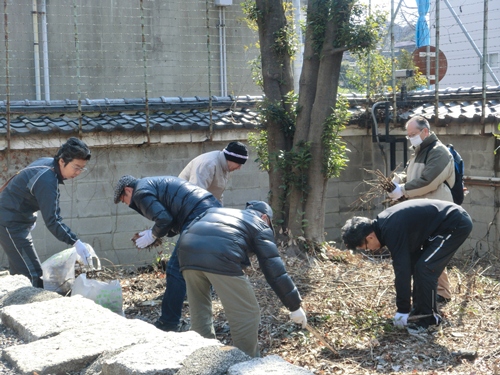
(213, 251)
(422, 236)
(36, 188)
(172, 203)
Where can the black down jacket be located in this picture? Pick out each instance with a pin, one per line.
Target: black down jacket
(168, 201)
(222, 239)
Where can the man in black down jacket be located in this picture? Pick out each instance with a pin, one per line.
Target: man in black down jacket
(36, 188)
(213, 250)
(172, 203)
(422, 236)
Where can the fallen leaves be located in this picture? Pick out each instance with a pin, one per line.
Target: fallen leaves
(349, 299)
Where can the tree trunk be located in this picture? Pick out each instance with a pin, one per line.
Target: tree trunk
(307, 83)
(324, 105)
(278, 82)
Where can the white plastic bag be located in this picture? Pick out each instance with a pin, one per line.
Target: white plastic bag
(106, 294)
(59, 271)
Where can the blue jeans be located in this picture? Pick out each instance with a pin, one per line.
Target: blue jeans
(175, 291)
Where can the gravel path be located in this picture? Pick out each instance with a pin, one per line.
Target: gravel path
(7, 338)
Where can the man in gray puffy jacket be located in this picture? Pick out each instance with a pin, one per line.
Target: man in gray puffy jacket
(213, 250)
(36, 188)
(172, 203)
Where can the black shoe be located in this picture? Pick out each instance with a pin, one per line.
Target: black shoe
(442, 300)
(181, 327)
(422, 325)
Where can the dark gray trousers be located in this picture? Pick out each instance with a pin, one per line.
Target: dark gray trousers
(23, 259)
(435, 255)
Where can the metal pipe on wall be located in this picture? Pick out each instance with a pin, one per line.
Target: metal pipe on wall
(482, 181)
(485, 54)
(36, 50)
(393, 68)
(436, 73)
(45, 48)
(222, 51)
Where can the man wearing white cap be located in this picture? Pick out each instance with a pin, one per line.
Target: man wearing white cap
(210, 170)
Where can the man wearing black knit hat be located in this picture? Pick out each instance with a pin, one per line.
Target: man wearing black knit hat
(210, 170)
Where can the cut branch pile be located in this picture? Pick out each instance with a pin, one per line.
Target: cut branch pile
(380, 185)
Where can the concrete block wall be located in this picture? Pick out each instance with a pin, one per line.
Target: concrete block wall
(87, 201)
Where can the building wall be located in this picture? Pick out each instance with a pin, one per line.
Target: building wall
(87, 201)
(464, 69)
(116, 49)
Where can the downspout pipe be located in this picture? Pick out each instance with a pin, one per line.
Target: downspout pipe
(485, 53)
(222, 51)
(36, 51)
(45, 48)
(376, 134)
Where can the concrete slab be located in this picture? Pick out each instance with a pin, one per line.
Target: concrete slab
(76, 348)
(9, 283)
(157, 356)
(27, 294)
(212, 360)
(39, 320)
(269, 365)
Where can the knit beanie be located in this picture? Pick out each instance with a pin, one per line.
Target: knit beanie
(237, 152)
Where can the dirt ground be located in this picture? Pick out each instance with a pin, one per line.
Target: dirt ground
(350, 301)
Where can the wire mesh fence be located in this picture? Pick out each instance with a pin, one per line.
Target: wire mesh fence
(81, 49)
(463, 27)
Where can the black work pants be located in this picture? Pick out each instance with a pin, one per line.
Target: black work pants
(435, 255)
(23, 259)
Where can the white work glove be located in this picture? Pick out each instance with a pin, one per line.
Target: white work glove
(299, 317)
(146, 238)
(396, 193)
(83, 251)
(396, 179)
(401, 320)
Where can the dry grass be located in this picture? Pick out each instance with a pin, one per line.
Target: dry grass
(349, 299)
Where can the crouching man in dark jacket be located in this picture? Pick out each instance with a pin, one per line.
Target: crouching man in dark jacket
(172, 203)
(213, 250)
(422, 236)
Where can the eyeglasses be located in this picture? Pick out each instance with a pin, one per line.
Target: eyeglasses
(77, 168)
(414, 135)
